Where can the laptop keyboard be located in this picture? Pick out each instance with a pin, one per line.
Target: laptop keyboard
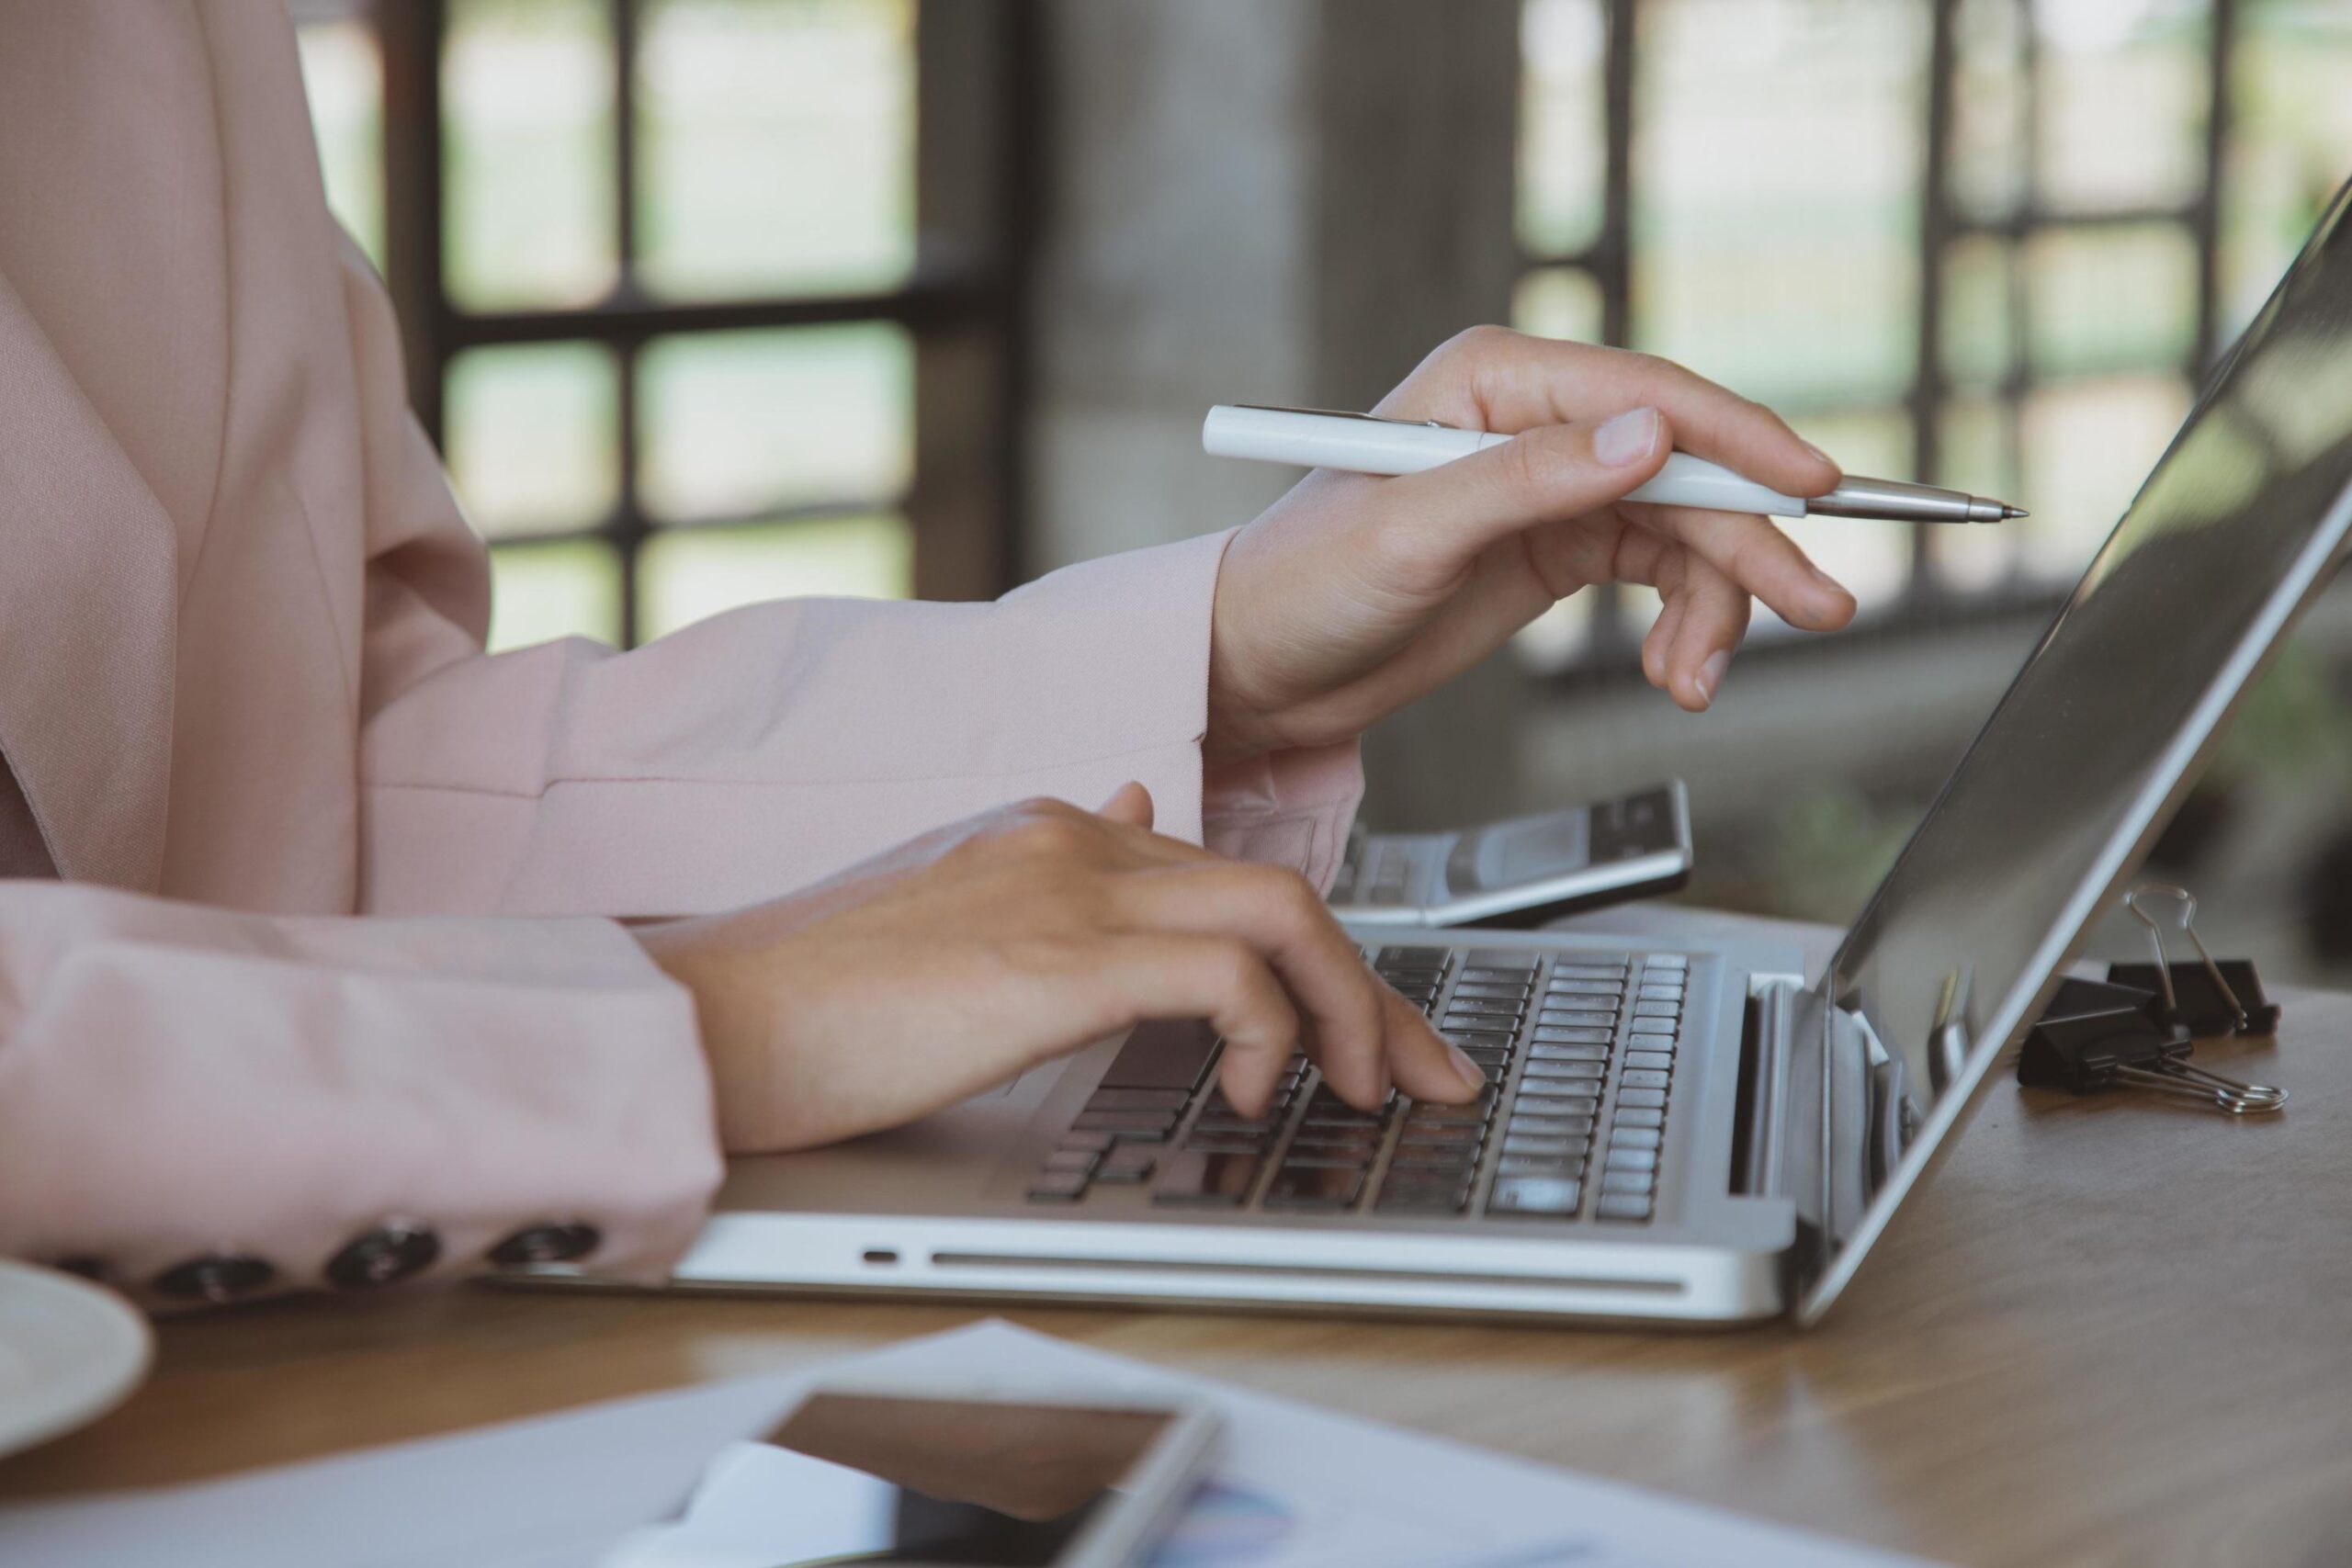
(1549, 1030)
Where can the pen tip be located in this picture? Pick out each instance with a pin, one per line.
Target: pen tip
(2009, 511)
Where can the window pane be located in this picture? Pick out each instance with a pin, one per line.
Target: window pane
(1563, 138)
(2104, 299)
(686, 574)
(1988, 161)
(740, 422)
(539, 592)
(531, 437)
(1557, 639)
(2289, 142)
(1871, 558)
(527, 105)
(2088, 446)
(2122, 113)
(1776, 213)
(1978, 456)
(1558, 302)
(776, 146)
(1979, 306)
(343, 75)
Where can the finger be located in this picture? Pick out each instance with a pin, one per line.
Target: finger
(1349, 1030)
(1659, 640)
(1129, 805)
(1454, 512)
(1177, 974)
(1759, 558)
(1713, 619)
(1522, 382)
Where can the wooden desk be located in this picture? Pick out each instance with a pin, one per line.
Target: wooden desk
(2109, 1331)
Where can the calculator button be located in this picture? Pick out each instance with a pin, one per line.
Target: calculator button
(1623, 1206)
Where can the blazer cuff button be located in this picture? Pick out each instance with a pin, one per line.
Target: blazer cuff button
(393, 1251)
(218, 1277)
(546, 1244)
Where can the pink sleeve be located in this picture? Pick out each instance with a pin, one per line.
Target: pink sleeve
(766, 748)
(180, 1084)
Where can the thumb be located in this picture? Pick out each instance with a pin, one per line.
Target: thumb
(1540, 475)
(1130, 803)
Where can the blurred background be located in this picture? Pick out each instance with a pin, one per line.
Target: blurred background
(713, 300)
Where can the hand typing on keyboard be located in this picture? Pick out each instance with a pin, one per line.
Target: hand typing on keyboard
(922, 976)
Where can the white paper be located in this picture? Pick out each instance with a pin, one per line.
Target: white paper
(1296, 1487)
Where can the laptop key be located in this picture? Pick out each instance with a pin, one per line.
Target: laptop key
(1541, 1072)
(1314, 1187)
(1567, 1053)
(1644, 1078)
(1640, 1181)
(1624, 1137)
(1195, 1177)
(1163, 1056)
(1057, 1187)
(1095, 1141)
(1530, 1144)
(1533, 1196)
(1566, 1165)
(1127, 1163)
(1666, 960)
(1502, 990)
(1138, 1100)
(1549, 1126)
(1652, 1097)
(1653, 1060)
(1081, 1160)
(1623, 1206)
(1635, 1116)
(1126, 1123)
(1621, 1157)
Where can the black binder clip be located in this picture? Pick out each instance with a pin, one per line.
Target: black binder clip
(2208, 1000)
(2095, 1037)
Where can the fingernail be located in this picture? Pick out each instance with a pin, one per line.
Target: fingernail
(1628, 438)
(1818, 453)
(1710, 673)
(1468, 1071)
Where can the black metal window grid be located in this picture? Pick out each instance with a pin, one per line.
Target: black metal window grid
(959, 305)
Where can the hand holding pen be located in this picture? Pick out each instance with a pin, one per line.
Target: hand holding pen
(1353, 595)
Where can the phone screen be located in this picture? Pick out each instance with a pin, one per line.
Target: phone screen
(878, 1479)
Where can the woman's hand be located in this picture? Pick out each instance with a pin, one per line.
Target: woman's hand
(1353, 595)
(922, 976)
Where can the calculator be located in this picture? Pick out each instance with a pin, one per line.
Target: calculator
(1522, 871)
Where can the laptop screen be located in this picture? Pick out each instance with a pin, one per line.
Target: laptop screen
(2074, 772)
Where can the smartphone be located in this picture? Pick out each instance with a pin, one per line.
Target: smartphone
(1523, 870)
(881, 1475)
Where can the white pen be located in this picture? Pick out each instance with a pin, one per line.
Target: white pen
(1317, 438)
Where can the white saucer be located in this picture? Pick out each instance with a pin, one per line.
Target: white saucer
(68, 1353)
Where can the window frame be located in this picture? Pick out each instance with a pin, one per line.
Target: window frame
(1611, 650)
(962, 304)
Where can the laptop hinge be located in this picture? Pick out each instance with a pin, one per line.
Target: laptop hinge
(1840, 1131)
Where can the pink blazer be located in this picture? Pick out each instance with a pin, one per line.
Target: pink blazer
(329, 992)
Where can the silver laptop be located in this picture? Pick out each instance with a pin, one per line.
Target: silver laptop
(1688, 1134)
